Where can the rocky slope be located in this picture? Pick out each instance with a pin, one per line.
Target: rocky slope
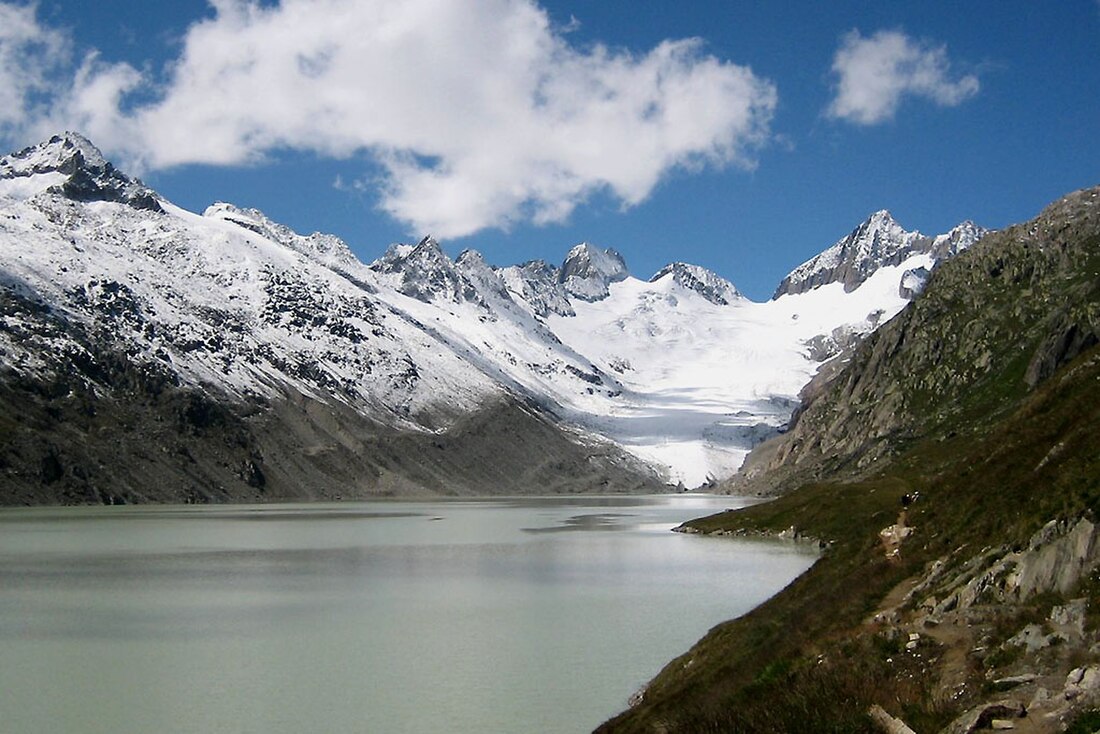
(992, 325)
(950, 472)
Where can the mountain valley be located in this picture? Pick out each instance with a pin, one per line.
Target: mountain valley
(254, 361)
(949, 470)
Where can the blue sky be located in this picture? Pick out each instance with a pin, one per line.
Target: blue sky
(744, 137)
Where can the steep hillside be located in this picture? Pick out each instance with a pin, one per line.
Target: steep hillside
(958, 584)
(992, 325)
(94, 424)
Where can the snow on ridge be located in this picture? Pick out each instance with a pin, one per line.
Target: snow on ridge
(665, 368)
(587, 271)
(71, 165)
(52, 155)
(536, 284)
(223, 306)
(876, 243)
(706, 283)
(326, 249)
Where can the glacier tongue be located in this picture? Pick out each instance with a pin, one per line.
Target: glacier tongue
(704, 382)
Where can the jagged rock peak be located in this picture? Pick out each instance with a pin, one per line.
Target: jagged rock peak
(538, 284)
(327, 249)
(63, 153)
(472, 259)
(588, 270)
(483, 282)
(401, 256)
(425, 272)
(960, 238)
(70, 165)
(706, 283)
(877, 242)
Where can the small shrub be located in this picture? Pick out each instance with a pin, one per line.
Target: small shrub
(1087, 723)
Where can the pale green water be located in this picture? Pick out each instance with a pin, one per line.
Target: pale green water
(530, 615)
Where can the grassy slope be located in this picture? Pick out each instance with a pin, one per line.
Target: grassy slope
(760, 673)
(991, 468)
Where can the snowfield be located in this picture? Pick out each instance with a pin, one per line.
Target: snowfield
(704, 382)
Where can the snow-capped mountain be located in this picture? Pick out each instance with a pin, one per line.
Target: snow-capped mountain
(710, 286)
(879, 241)
(588, 271)
(681, 370)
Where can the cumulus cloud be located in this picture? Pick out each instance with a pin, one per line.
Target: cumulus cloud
(480, 112)
(874, 74)
(30, 56)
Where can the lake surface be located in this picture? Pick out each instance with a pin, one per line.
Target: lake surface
(444, 616)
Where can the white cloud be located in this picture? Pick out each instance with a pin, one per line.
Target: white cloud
(481, 112)
(30, 55)
(91, 102)
(874, 74)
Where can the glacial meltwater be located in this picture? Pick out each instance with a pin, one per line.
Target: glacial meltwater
(513, 615)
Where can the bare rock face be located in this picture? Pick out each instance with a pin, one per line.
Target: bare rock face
(1056, 559)
(913, 282)
(984, 715)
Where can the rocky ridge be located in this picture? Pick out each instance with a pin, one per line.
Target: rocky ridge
(710, 286)
(76, 170)
(877, 242)
(117, 319)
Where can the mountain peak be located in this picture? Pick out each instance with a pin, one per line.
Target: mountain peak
(960, 238)
(877, 242)
(327, 249)
(880, 224)
(70, 165)
(882, 216)
(706, 283)
(588, 270)
(422, 271)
